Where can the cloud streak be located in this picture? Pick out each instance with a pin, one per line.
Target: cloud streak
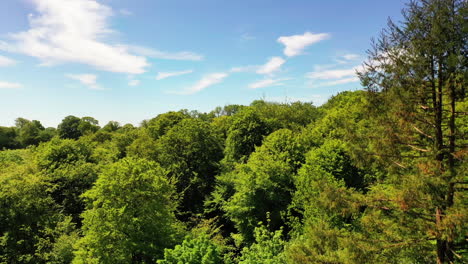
(164, 75)
(205, 82)
(273, 65)
(89, 80)
(295, 44)
(157, 54)
(134, 83)
(267, 83)
(4, 61)
(10, 85)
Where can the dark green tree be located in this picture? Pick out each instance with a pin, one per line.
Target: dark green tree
(69, 128)
(8, 138)
(416, 78)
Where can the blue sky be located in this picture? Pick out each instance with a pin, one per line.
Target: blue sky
(129, 60)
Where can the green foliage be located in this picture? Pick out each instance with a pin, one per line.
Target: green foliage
(159, 125)
(111, 126)
(247, 131)
(268, 248)
(130, 216)
(191, 151)
(200, 250)
(292, 116)
(88, 125)
(60, 152)
(264, 185)
(69, 128)
(26, 211)
(323, 185)
(8, 138)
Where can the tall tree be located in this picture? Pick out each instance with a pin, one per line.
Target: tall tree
(416, 75)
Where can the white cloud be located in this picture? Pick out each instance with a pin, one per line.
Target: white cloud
(294, 45)
(164, 75)
(337, 82)
(125, 12)
(271, 66)
(249, 68)
(86, 79)
(325, 74)
(206, 81)
(247, 37)
(331, 74)
(4, 61)
(10, 85)
(266, 83)
(350, 56)
(134, 82)
(73, 31)
(323, 77)
(157, 54)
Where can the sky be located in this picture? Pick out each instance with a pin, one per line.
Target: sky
(130, 60)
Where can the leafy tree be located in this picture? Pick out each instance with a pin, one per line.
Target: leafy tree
(200, 250)
(191, 152)
(416, 76)
(130, 216)
(247, 131)
(159, 125)
(268, 248)
(26, 210)
(88, 125)
(29, 132)
(70, 170)
(292, 116)
(8, 138)
(111, 126)
(263, 187)
(69, 128)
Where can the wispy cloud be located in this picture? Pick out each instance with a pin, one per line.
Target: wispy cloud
(4, 61)
(295, 45)
(73, 31)
(10, 85)
(331, 74)
(324, 76)
(248, 68)
(267, 83)
(89, 80)
(271, 66)
(157, 54)
(164, 75)
(351, 57)
(247, 37)
(133, 82)
(205, 82)
(125, 12)
(337, 82)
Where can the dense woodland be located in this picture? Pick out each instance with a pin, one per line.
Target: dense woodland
(372, 176)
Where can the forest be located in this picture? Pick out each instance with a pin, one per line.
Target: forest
(377, 175)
